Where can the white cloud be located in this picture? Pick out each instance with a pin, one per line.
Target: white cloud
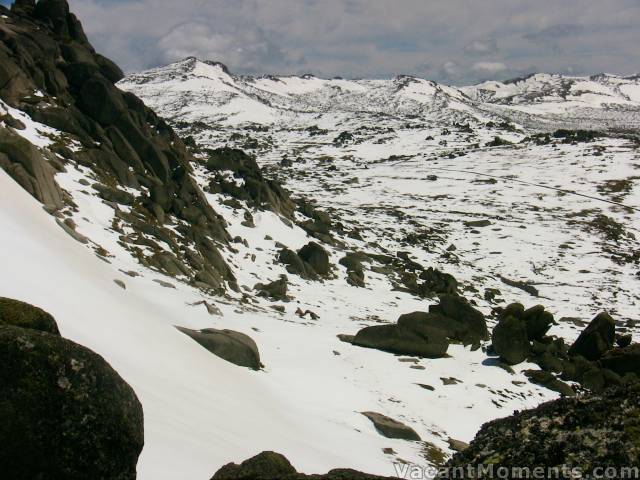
(489, 67)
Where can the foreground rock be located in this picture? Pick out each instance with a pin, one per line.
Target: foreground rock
(274, 466)
(64, 412)
(391, 428)
(581, 432)
(234, 347)
(20, 314)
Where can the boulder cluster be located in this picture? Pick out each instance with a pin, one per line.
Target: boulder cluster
(311, 262)
(593, 360)
(64, 412)
(428, 334)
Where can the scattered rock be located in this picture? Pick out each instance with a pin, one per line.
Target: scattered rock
(547, 380)
(276, 290)
(391, 428)
(457, 445)
(234, 347)
(397, 339)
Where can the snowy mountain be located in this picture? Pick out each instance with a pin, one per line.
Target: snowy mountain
(356, 202)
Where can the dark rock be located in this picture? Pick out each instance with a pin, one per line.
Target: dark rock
(547, 380)
(64, 412)
(538, 322)
(391, 428)
(27, 166)
(623, 360)
(397, 339)
(295, 265)
(273, 466)
(276, 290)
(234, 347)
(472, 327)
(596, 339)
(623, 340)
(315, 255)
(510, 340)
(581, 433)
(265, 464)
(20, 314)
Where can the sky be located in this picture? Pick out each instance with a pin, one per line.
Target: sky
(451, 41)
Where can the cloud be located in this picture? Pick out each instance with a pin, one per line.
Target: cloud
(458, 41)
(482, 46)
(489, 67)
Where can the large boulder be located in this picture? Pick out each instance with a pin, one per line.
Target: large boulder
(391, 428)
(425, 323)
(596, 339)
(20, 314)
(234, 347)
(469, 323)
(581, 433)
(64, 412)
(315, 255)
(510, 340)
(402, 340)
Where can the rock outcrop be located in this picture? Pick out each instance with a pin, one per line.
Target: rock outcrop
(581, 433)
(49, 70)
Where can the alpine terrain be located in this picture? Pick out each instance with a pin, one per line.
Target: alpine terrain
(201, 269)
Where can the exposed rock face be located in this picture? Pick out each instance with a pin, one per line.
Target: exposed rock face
(234, 347)
(64, 412)
(23, 315)
(27, 166)
(580, 432)
(274, 466)
(43, 49)
(596, 339)
(391, 428)
(259, 191)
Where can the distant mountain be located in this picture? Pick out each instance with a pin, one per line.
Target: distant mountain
(190, 89)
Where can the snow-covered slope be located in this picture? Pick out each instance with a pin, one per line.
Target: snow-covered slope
(401, 167)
